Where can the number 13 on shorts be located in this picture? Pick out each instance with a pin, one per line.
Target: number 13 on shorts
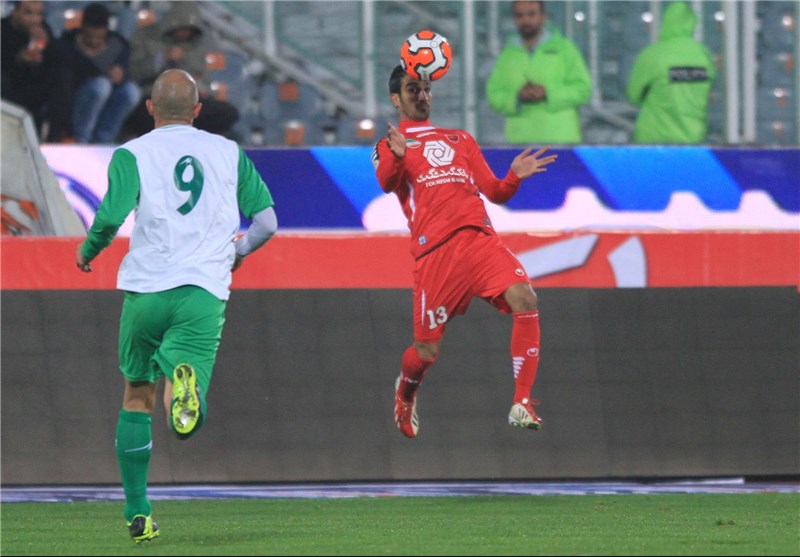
(436, 317)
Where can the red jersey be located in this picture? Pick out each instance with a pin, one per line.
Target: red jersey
(438, 182)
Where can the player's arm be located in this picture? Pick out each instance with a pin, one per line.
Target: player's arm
(388, 159)
(524, 165)
(255, 201)
(263, 227)
(495, 189)
(120, 199)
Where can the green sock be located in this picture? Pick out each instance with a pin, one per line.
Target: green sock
(134, 445)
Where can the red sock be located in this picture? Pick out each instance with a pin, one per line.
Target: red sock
(525, 352)
(412, 372)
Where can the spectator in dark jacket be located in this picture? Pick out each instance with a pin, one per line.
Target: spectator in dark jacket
(33, 73)
(179, 40)
(103, 97)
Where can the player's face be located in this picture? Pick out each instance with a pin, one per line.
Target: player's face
(414, 100)
(529, 18)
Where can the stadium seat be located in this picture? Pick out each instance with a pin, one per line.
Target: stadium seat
(215, 61)
(145, 17)
(72, 18)
(778, 27)
(775, 101)
(268, 110)
(776, 132)
(294, 133)
(776, 69)
(299, 108)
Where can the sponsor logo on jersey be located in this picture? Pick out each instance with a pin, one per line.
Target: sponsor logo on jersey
(439, 176)
(452, 138)
(413, 144)
(454, 172)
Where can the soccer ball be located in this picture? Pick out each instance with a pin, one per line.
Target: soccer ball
(426, 56)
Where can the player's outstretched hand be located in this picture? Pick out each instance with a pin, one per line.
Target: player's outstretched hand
(526, 164)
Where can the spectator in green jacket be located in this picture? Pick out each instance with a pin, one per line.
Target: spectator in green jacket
(671, 80)
(539, 81)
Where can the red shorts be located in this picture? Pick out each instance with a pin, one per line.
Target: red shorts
(471, 263)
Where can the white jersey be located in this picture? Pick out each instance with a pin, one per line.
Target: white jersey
(187, 215)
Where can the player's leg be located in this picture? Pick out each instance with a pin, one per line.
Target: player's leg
(167, 400)
(502, 280)
(187, 355)
(415, 362)
(139, 331)
(134, 444)
(438, 297)
(525, 343)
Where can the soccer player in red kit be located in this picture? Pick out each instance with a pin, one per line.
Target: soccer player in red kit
(438, 175)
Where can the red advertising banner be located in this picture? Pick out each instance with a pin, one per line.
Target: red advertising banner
(585, 259)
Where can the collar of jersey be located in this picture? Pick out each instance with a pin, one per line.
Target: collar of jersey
(414, 126)
(173, 126)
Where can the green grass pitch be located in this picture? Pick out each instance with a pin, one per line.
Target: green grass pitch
(626, 524)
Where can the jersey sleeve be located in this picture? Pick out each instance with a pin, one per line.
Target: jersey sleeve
(388, 167)
(120, 199)
(253, 195)
(495, 189)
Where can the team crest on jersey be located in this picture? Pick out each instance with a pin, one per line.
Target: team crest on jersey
(413, 144)
(438, 153)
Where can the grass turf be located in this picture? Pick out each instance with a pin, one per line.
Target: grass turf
(631, 524)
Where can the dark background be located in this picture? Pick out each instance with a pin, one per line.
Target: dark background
(634, 383)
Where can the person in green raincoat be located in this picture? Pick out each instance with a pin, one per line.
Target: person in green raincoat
(538, 81)
(671, 80)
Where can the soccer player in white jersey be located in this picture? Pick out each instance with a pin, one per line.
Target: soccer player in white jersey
(188, 187)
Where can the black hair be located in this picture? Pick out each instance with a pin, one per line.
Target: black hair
(95, 15)
(540, 2)
(396, 79)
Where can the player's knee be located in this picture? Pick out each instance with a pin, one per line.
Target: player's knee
(139, 397)
(522, 297)
(427, 350)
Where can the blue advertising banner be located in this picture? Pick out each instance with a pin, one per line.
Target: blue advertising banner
(671, 188)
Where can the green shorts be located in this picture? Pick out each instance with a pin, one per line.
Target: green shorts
(160, 330)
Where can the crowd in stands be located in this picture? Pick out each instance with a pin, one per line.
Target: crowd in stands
(89, 83)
